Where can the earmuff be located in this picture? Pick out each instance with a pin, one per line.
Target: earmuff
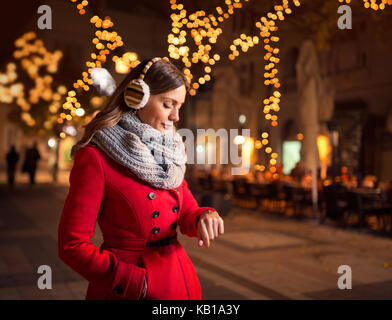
(137, 92)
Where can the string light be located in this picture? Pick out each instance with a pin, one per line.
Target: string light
(126, 63)
(204, 31)
(267, 26)
(81, 6)
(32, 56)
(372, 4)
(202, 27)
(104, 41)
(7, 93)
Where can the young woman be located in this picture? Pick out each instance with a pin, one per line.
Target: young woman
(128, 175)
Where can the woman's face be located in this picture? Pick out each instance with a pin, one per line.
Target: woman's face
(162, 110)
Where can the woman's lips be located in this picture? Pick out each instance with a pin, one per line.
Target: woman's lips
(167, 126)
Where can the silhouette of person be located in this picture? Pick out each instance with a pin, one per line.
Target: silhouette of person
(12, 159)
(30, 164)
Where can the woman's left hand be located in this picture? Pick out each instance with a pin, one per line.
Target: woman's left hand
(209, 227)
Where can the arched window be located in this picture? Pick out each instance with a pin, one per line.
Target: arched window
(291, 61)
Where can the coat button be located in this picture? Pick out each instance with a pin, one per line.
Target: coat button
(155, 230)
(155, 214)
(151, 196)
(175, 209)
(118, 289)
(178, 191)
(173, 225)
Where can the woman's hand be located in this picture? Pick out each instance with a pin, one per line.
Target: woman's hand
(209, 227)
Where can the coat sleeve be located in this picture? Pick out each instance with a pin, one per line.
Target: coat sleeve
(190, 212)
(77, 226)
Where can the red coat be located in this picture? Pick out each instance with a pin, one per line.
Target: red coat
(130, 212)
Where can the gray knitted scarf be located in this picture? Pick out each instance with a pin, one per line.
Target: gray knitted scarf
(156, 157)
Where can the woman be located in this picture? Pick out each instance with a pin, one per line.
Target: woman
(128, 175)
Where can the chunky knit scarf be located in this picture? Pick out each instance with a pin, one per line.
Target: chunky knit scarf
(156, 157)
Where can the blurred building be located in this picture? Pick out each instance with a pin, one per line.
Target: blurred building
(357, 72)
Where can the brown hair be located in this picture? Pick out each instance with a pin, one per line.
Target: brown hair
(162, 76)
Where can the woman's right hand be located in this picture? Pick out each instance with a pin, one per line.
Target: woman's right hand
(209, 227)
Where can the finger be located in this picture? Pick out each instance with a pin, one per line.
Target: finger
(210, 228)
(221, 226)
(200, 243)
(204, 234)
(216, 226)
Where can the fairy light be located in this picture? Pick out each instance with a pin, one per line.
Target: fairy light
(204, 31)
(81, 6)
(267, 26)
(33, 58)
(8, 89)
(126, 62)
(105, 40)
(373, 4)
(201, 26)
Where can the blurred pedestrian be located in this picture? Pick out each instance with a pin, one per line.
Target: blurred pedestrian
(12, 159)
(30, 163)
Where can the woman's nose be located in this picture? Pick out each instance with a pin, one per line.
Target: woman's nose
(174, 115)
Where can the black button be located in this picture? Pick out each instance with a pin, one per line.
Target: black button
(118, 289)
(175, 209)
(151, 196)
(155, 214)
(155, 230)
(173, 225)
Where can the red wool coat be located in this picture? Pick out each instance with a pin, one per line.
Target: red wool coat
(130, 212)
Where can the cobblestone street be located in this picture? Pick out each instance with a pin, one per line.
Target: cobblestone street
(260, 256)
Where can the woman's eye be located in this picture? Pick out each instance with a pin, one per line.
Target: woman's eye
(166, 106)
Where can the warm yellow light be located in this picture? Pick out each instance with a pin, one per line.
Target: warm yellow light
(239, 139)
(324, 147)
(80, 112)
(248, 149)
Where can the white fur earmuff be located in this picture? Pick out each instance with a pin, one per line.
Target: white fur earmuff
(103, 81)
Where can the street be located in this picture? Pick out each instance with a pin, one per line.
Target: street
(260, 256)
